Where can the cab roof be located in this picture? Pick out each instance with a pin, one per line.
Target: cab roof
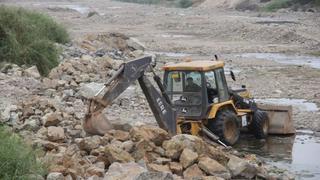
(194, 66)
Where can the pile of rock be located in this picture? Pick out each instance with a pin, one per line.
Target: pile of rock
(114, 45)
(144, 152)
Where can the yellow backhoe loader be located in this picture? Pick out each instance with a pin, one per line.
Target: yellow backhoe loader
(193, 98)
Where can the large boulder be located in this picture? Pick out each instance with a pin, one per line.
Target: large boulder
(141, 148)
(188, 157)
(212, 167)
(55, 133)
(119, 135)
(124, 171)
(32, 72)
(116, 154)
(193, 172)
(219, 155)
(51, 119)
(237, 165)
(176, 144)
(88, 143)
(149, 133)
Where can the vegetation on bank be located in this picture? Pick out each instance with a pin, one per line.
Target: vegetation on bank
(315, 53)
(17, 160)
(169, 3)
(279, 4)
(28, 38)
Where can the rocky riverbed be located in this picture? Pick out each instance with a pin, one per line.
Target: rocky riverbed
(263, 49)
(48, 113)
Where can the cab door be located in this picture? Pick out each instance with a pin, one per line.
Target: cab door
(222, 87)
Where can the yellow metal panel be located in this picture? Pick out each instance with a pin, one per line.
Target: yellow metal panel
(216, 107)
(194, 66)
(195, 128)
(245, 94)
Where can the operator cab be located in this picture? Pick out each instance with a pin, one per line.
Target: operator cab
(193, 87)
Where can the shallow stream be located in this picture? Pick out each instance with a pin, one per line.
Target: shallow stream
(298, 153)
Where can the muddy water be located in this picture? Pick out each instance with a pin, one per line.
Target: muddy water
(300, 153)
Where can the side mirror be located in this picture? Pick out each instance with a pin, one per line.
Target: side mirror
(232, 75)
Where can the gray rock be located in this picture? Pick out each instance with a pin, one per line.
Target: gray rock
(32, 124)
(95, 177)
(88, 90)
(9, 114)
(124, 171)
(135, 44)
(115, 154)
(55, 176)
(88, 143)
(193, 172)
(51, 119)
(67, 93)
(127, 146)
(212, 167)
(155, 176)
(236, 165)
(32, 72)
(55, 133)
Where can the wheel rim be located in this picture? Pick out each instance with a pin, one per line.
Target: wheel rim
(230, 132)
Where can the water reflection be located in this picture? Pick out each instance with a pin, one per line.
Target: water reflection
(298, 153)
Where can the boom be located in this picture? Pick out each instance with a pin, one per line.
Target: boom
(128, 73)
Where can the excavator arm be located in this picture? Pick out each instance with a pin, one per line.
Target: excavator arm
(95, 121)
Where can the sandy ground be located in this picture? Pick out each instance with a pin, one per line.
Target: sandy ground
(204, 31)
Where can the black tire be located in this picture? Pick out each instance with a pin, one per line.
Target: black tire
(260, 124)
(226, 126)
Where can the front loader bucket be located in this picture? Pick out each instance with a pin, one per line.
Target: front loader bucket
(280, 119)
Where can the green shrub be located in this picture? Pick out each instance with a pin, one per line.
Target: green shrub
(28, 38)
(185, 3)
(315, 53)
(278, 4)
(17, 160)
(168, 3)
